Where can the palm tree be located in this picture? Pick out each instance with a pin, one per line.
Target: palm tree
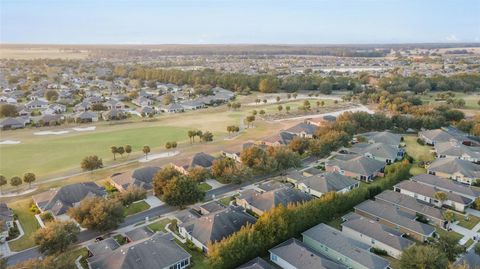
(128, 150)
(192, 134)
(441, 196)
(114, 150)
(121, 150)
(3, 181)
(146, 150)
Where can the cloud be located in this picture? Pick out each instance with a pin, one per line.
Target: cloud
(452, 38)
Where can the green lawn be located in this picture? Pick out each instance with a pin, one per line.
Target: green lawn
(471, 100)
(198, 260)
(44, 155)
(470, 223)
(29, 224)
(204, 187)
(469, 243)
(416, 170)
(136, 208)
(417, 151)
(159, 225)
(226, 200)
(442, 232)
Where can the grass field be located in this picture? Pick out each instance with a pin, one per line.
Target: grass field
(469, 224)
(29, 224)
(136, 208)
(159, 225)
(204, 187)
(416, 151)
(442, 232)
(471, 100)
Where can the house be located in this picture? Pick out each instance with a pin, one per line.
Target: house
(143, 102)
(157, 251)
(376, 235)
(356, 166)
(431, 137)
(293, 254)
(377, 151)
(200, 159)
(138, 234)
(460, 170)
(102, 247)
(6, 221)
(447, 185)
(173, 108)
(320, 184)
(193, 105)
(342, 249)
(58, 201)
(260, 202)
(8, 100)
(36, 104)
(303, 129)
(471, 259)
(114, 105)
(146, 111)
(384, 137)
(427, 194)
(215, 226)
(114, 114)
(50, 120)
(235, 155)
(282, 138)
(457, 150)
(141, 177)
(413, 206)
(210, 207)
(82, 107)
(257, 263)
(86, 116)
(394, 218)
(13, 123)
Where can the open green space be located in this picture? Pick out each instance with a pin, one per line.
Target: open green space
(159, 226)
(204, 187)
(420, 153)
(468, 222)
(29, 224)
(135, 208)
(226, 200)
(471, 100)
(442, 232)
(417, 170)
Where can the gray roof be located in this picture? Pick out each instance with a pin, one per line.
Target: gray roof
(102, 247)
(157, 251)
(6, 213)
(379, 232)
(456, 149)
(212, 206)
(430, 191)
(272, 185)
(410, 203)
(218, 225)
(471, 259)
(141, 177)
(381, 150)
(327, 182)
(58, 201)
(202, 159)
(139, 233)
(383, 137)
(393, 215)
(447, 185)
(86, 115)
(452, 166)
(257, 263)
(283, 138)
(437, 135)
(356, 163)
(353, 249)
(270, 199)
(303, 127)
(301, 256)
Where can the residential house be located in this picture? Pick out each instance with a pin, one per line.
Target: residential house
(342, 249)
(431, 137)
(320, 184)
(471, 260)
(138, 234)
(200, 159)
(141, 177)
(114, 114)
(210, 207)
(215, 226)
(447, 185)
(173, 108)
(6, 221)
(394, 218)
(257, 263)
(82, 107)
(293, 254)
(384, 137)
(460, 170)
(13, 123)
(282, 138)
(102, 247)
(376, 235)
(143, 102)
(303, 129)
(355, 166)
(427, 193)
(377, 151)
(36, 104)
(158, 251)
(58, 201)
(260, 202)
(85, 117)
(113, 104)
(456, 150)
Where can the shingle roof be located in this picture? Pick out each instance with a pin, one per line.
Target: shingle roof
(141, 177)
(378, 232)
(393, 215)
(430, 191)
(409, 203)
(282, 138)
(103, 247)
(356, 163)
(202, 159)
(437, 135)
(457, 150)
(376, 149)
(6, 213)
(301, 256)
(447, 185)
(157, 251)
(270, 199)
(352, 249)
(327, 182)
(303, 127)
(383, 137)
(257, 263)
(452, 166)
(139, 233)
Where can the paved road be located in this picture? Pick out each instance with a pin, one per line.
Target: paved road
(87, 235)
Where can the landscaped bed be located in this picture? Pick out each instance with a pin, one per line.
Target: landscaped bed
(135, 208)
(159, 225)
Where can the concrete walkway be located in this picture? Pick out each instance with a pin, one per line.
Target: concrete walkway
(215, 184)
(467, 234)
(153, 201)
(472, 211)
(4, 249)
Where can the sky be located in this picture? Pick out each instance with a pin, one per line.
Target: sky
(238, 22)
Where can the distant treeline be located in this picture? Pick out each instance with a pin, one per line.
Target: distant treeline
(418, 84)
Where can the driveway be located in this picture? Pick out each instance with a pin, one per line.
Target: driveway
(215, 184)
(153, 201)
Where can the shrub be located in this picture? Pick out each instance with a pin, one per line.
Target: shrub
(46, 216)
(34, 209)
(379, 251)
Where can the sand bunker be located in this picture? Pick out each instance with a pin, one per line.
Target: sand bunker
(51, 133)
(9, 142)
(157, 156)
(91, 128)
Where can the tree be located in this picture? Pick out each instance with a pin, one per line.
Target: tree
(254, 112)
(168, 145)
(128, 150)
(441, 196)
(295, 95)
(146, 150)
(114, 151)
(15, 181)
(449, 216)
(423, 257)
(287, 108)
(449, 245)
(182, 191)
(207, 136)
(191, 135)
(299, 145)
(262, 112)
(56, 237)
(278, 99)
(91, 163)
(51, 95)
(97, 213)
(162, 177)
(174, 144)
(121, 151)
(3, 181)
(254, 157)
(131, 194)
(29, 178)
(7, 110)
(249, 120)
(268, 85)
(198, 173)
(280, 107)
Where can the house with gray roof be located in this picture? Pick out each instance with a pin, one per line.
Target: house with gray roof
(260, 202)
(157, 251)
(257, 263)
(427, 193)
(86, 116)
(447, 185)
(460, 170)
(377, 151)
(457, 150)
(303, 129)
(320, 184)
(141, 177)
(200, 159)
(58, 201)
(138, 234)
(102, 247)
(215, 226)
(211, 207)
(376, 235)
(384, 137)
(6, 221)
(431, 137)
(282, 138)
(342, 249)
(355, 166)
(414, 206)
(471, 259)
(14, 123)
(293, 254)
(392, 217)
